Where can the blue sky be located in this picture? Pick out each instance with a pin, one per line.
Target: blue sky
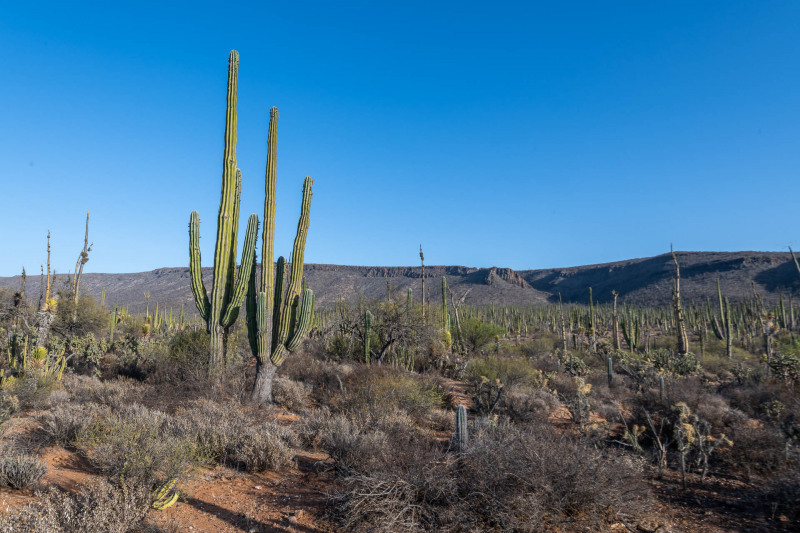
(521, 134)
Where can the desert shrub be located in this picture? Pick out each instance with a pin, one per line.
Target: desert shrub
(781, 495)
(523, 404)
(539, 347)
(324, 377)
(290, 394)
(509, 479)
(756, 449)
(212, 427)
(21, 471)
(261, 448)
(531, 479)
(99, 506)
(91, 317)
(337, 434)
(136, 443)
(86, 353)
(9, 405)
(32, 389)
(510, 371)
(384, 389)
(115, 394)
(786, 366)
(63, 423)
(673, 363)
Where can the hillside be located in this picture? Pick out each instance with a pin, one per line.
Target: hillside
(645, 281)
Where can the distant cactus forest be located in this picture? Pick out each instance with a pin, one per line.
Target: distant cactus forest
(424, 399)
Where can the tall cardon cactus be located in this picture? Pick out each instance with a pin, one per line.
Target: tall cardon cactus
(228, 290)
(279, 310)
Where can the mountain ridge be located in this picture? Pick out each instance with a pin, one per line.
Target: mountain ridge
(642, 281)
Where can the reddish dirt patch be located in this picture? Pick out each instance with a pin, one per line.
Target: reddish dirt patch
(222, 500)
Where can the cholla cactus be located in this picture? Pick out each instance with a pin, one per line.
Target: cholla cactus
(633, 435)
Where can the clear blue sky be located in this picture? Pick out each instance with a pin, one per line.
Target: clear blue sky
(521, 134)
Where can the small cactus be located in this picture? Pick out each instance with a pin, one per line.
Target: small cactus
(461, 436)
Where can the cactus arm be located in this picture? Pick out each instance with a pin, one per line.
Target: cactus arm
(198, 288)
(298, 251)
(237, 197)
(240, 288)
(292, 299)
(225, 222)
(279, 355)
(303, 323)
(268, 231)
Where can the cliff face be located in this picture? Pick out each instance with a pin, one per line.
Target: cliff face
(646, 281)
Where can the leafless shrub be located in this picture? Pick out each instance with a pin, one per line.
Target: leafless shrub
(510, 479)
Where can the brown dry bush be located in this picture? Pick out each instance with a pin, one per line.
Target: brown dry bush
(382, 389)
(225, 434)
(510, 479)
(529, 479)
(522, 404)
(756, 450)
(261, 448)
(289, 394)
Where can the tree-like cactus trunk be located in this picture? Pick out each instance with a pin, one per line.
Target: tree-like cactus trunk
(262, 388)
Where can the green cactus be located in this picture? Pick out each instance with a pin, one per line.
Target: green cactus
(278, 319)
(227, 290)
(460, 436)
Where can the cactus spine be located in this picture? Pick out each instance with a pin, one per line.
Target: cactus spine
(227, 291)
(277, 319)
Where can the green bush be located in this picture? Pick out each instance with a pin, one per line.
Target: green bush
(477, 334)
(509, 371)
